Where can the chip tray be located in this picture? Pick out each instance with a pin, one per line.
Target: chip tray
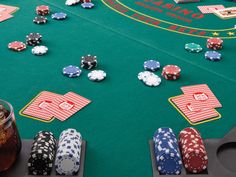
(221, 155)
(20, 169)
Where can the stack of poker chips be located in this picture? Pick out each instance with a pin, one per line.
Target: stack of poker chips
(167, 152)
(214, 43)
(42, 10)
(88, 62)
(68, 152)
(171, 72)
(33, 39)
(42, 154)
(193, 151)
(4, 113)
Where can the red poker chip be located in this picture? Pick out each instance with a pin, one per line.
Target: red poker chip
(171, 69)
(17, 46)
(42, 8)
(215, 40)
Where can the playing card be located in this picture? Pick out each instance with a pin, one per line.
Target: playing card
(210, 8)
(201, 97)
(65, 106)
(193, 115)
(7, 9)
(226, 13)
(36, 108)
(4, 16)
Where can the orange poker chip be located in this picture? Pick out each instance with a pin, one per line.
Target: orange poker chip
(17, 46)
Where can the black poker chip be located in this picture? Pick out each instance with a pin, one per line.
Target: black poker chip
(33, 39)
(89, 61)
(42, 153)
(40, 20)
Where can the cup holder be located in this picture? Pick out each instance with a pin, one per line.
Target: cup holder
(226, 155)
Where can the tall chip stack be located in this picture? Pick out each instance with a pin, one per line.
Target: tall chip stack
(42, 154)
(68, 153)
(167, 152)
(193, 151)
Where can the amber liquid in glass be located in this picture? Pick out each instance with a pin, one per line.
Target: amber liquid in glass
(10, 144)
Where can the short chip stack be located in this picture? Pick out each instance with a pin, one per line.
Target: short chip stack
(193, 47)
(150, 79)
(185, 1)
(68, 153)
(89, 61)
(17, 46)
(33, 39)
(193, 151)
(171, 72)
(167, 152)
(215, 43)
(42, 10)
(42, 154)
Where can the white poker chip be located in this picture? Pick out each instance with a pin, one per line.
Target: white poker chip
(39, 50)
(71, 2)
(152, 80)
(97, 75)
(144, 74)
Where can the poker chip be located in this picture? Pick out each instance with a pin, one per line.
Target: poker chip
(17, 46)
(87, 5)
(212, 56)
(193, 151)
(42, 154)
(59, 16)
(97, 75)
(215, 43)
(40, 20)
(68, 154)
(33, 39)
(142, 75)
(193, 47)
(171, 72)
(39, 50)
(89, 61)
(72, 2)
(71, 71)
(149, 78)
(151, 65)
(152, 80)
(167, 153)
(42, 10)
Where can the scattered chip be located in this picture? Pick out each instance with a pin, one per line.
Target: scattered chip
(212, 56)
(97, 75)
(71, 71)
(193, 47)
(40, 20)
(39, 50)
(17, 46)
(151, 65)
(87, 5)
(59, 16)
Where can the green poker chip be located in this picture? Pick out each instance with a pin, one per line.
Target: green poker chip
(193, 47)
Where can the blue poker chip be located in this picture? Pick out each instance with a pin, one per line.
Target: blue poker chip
(71, 71)
(59, 16)
(87, 5)
(151, 65)
(213, 56)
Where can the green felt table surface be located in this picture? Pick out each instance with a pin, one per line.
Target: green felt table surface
(124, 113)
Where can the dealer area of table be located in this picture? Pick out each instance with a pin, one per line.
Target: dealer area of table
(123, 113)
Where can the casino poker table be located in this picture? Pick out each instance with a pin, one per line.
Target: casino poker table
(124, 113)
